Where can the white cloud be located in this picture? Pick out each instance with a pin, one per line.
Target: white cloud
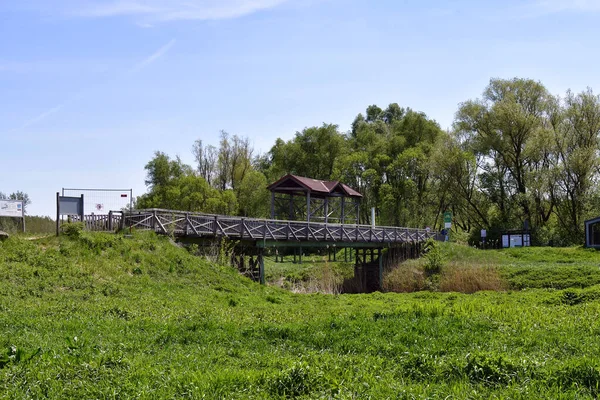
(152, 10)
(155, 56)
(42, 116)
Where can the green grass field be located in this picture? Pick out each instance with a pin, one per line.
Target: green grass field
(109, 316)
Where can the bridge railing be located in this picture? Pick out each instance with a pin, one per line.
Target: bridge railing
(181, 223)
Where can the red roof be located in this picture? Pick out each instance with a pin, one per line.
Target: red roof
(293, 183)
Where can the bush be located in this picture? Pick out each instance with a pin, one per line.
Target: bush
(433, 257)
(72, 229)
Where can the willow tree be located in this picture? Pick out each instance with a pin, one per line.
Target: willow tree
(576, 130)
(507, 126)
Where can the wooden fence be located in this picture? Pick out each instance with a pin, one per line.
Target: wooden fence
(110, 222)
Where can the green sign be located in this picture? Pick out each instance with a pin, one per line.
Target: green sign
(447, 217)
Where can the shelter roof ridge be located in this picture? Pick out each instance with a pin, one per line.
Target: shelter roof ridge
(316, 185)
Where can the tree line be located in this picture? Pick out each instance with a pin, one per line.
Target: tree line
(516, 156)
(34, 224)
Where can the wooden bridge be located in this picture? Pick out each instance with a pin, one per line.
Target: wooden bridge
(254, 237)
(178, 223)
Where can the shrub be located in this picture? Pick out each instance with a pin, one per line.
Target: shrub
(433, 257)
(72, 229)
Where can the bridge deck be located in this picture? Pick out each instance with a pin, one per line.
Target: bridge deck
(189, 224)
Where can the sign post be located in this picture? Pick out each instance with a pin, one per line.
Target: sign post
(447, 223)
(68, 206)
(13, 209)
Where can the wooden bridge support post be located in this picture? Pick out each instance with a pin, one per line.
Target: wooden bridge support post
(380, 256)
(261, 267)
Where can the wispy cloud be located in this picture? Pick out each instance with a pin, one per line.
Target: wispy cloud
(137, 67)
(42, 116)
(152, 11)
(153, 57)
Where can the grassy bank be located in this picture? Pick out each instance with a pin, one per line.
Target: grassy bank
(104, 316)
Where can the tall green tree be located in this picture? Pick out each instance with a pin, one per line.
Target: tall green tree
(576, 130)
(505, 126)
(314, 153)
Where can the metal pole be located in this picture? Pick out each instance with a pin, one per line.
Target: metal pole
(57, 214)
(82, 210)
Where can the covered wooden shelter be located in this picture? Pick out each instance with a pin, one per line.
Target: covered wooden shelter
(297, 198)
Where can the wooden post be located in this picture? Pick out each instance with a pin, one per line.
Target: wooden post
(215, 226)
(261, 268)
(242, 228)
(154, 220)
(308, 206)
(291, 208)
(343, 212)
(272, 205)
(110, 221)
(380, 269)
(326, 210)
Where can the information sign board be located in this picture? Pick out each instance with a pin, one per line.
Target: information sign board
(11, 208)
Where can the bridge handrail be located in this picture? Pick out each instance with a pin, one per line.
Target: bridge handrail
(237, 218)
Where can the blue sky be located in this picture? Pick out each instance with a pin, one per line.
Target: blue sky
(91, 88)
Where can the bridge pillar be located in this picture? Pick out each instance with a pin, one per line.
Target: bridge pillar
(261, 267)
(380, 259)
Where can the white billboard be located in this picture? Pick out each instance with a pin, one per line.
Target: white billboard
(11, 208)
